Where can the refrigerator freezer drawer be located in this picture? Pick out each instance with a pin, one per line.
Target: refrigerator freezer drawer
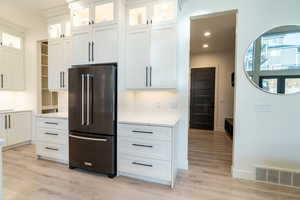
(93, 153)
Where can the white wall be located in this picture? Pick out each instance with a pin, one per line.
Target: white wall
(35, 30)
(224, 64)
(268, 138)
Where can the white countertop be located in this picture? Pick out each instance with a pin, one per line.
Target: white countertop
(154, 120)
(61, 115)
(14, 110)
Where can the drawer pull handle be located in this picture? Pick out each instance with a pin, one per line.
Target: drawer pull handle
(141, 164)
(87, 138)
(147, 132)
(49, 148)
(54, 134)
(51, 123)
(142, 145)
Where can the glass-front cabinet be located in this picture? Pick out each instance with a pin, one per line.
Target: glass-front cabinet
(152, 13)
(99, 12)
(59, 28)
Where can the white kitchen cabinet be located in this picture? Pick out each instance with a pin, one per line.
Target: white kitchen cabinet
(59, 27)
(151, 52)
(94, 32)
(52, 138)
(58, 64)
(148, 152)
(137, 55)
(15, 127)
(12, 75)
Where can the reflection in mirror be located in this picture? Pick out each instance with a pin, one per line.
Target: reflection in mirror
(272, 61)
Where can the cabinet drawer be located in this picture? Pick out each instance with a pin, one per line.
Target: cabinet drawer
(150, 168)
(145, 132)
(52, 135)
(61, 124)
(54, 151)
(145, 148)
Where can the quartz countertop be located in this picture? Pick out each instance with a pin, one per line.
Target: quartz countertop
(154, 120)
(61, 115)
(14, 110)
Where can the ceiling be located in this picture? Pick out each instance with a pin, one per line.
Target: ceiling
(36, 5)
(222, 29)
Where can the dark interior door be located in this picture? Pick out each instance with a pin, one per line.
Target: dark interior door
(202, 105)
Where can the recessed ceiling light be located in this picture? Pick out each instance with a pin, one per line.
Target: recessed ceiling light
(205, 46)
(207, 34)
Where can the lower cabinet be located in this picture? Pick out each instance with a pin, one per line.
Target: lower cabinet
(15, 127)
(52, 139)
(147, 152)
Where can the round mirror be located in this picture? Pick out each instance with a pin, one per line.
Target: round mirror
(272, 61)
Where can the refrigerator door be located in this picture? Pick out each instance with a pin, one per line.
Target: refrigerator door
(92, 152)
(92, 99)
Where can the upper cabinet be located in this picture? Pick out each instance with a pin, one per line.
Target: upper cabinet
(12, 75)
(59, 49)
(151, 41)
(94, 32)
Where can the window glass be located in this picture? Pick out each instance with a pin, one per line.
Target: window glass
(104, 12)
(280, 51)
(137, 16)
(164, 10)
(269, 85)
(292, 85)
(81, 16)
(54, 31)
(11, 41)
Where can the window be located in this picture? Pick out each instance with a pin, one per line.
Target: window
(11, 41)
(137, 16)
(280, 51)
(104, 12)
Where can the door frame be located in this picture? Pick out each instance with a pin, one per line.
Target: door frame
(216, 109)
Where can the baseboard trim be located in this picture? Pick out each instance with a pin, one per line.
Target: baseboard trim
(242, 174)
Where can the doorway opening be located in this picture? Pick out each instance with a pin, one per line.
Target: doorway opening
(212, 58)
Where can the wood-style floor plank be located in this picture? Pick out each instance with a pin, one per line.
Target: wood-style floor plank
(210, 154)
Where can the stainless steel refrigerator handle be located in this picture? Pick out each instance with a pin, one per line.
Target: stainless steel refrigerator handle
(82, 99)
(87, 138)
(88, 100)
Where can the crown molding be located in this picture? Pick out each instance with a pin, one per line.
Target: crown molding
(57, 11)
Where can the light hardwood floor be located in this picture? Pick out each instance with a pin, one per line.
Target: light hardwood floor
(208, 178)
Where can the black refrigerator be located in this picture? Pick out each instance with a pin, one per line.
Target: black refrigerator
(93, 118)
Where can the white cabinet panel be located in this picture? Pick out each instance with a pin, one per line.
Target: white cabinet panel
(19, 128)
(137, 59)
(163, 57)
(105, 46)
(81, 50)
(3, 128)
(55, 62)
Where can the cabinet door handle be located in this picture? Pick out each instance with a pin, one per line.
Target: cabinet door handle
(1, 80)
(63, 79)
(150, 76)
(9, 122)
(93, 44)
(60, 79)
(147, 132)
(53, 149)
(51, 123)
(54, 134)
(5, 122)
(89, 52)
(142, 145)
(142, 164)
(146, 76)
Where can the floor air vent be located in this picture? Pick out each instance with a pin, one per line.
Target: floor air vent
(277, 176)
